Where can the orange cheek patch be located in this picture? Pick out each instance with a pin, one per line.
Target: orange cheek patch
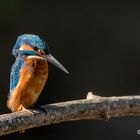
(25, 47)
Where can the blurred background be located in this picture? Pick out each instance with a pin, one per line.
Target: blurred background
(97, 41)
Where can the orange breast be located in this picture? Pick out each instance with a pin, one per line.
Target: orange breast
(32, 80)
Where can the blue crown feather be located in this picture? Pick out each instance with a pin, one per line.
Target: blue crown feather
(32, 40)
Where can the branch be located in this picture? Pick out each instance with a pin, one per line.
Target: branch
(94, 107)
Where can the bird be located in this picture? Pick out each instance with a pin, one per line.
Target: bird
(29, 72)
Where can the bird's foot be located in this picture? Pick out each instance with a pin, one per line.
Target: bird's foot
(22, 108)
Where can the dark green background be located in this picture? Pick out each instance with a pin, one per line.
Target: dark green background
(97, 41)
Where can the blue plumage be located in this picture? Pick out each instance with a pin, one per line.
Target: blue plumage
(32, 40)
(15, 71)
(27, 53)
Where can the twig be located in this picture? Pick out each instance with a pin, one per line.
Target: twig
(94, 107)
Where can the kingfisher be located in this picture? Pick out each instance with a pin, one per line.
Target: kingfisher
(29, 72)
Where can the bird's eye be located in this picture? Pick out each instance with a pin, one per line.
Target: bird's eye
(35, 48)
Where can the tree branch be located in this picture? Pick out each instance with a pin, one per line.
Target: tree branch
(94, 107)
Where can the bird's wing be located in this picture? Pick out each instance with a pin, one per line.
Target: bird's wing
(15, 70)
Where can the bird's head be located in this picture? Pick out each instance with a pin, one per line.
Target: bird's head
(34, 46)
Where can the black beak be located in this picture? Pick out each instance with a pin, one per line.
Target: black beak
(47, 57)
(52, 60)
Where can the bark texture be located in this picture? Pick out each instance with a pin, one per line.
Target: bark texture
(94, 107)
